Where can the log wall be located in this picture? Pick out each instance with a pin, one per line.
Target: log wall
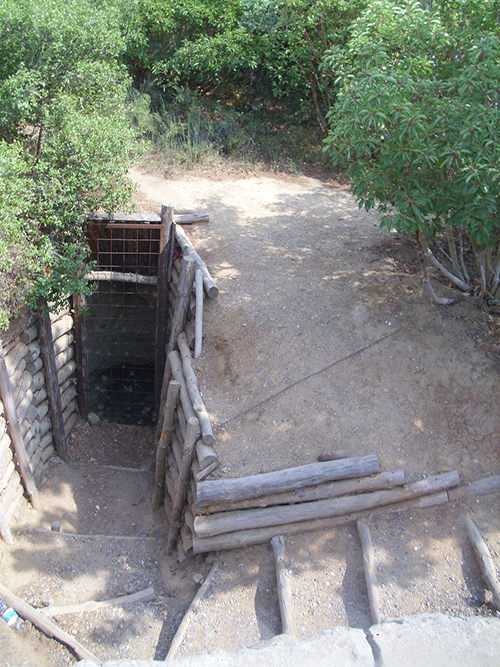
(26, 373)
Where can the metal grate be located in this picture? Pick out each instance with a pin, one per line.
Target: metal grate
(120, 322)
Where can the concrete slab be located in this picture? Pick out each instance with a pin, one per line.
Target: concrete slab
(436, 640)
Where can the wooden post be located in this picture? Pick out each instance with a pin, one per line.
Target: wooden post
(181, 630)
(49, 628)
(486, 562)
(192, 434)
(198, 334)
(167, 216)
(285, 598)
(192, 387)
(51, 380)
(184, 288)
(164, 442)
(4, 527)
(15, 433)
(81, 359)
(370, 574)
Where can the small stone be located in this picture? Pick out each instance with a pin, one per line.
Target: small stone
(129, 588)
(47, 599)
(198, 578)
(93, 419)
(55, 526)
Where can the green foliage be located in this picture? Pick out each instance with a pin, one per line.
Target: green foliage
(416, 119)
(65, 137)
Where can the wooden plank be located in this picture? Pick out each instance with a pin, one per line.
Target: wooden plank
(238, 520)
(145, 595)
(370, 570)
(253, 486)
(51, 380)
(152, 218)
(16, 435)
(4, 527)
(283, 585)
(117, 276)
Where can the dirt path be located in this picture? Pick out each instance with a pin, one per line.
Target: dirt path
(322, 338)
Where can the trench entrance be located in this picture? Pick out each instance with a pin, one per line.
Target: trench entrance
(118, 356)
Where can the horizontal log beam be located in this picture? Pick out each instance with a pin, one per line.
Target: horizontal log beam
(117, 276)
(253, 486)
(227, 522)
(246, 538)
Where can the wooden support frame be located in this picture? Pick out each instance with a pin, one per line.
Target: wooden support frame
(370, 570)
(81, 359)
(51, 380)
(167, 216)
(164, 442)
(283, 585)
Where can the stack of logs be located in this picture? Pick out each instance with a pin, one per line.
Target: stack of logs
(184, 433)
(231, 513)
(26, 384)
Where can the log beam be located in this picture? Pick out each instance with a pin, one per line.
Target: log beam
(283, 585)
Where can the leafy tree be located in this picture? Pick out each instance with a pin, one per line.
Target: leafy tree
(417, 122)
(65, 141)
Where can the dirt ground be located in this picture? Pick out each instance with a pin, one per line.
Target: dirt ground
(322, 338)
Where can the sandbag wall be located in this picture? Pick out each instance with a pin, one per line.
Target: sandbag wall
(23, 361)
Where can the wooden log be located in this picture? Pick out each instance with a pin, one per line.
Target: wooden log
(38, 380)
(146, 595)
(49, 628)
(35, 366)
(69, 424)
(192, 434)
(206, 455)
(384, 480)
(38, 396)
(68, 396)
(16, 435)
(227, 522)
(182, 629)
(24, 405)
(117, 276)
(199, 313)
(253, 486)
(167, 215)
(186, 539)
(246, 538)
(52, 380)
(151, 218)
(174, 360)
(191, 218)
(4, 527)
(80, 338)
(164, 442)
(186, 279)
(485, 559)
(481, 487)
(177, 446)
(33, 351)
(283, 584)
(44, 427)
(194, 394)
(187, 248)
(370, 570)
(203, 474)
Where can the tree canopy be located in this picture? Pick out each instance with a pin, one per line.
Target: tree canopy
(416, 125)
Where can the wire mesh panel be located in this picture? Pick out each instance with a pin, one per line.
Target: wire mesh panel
(120, 321)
